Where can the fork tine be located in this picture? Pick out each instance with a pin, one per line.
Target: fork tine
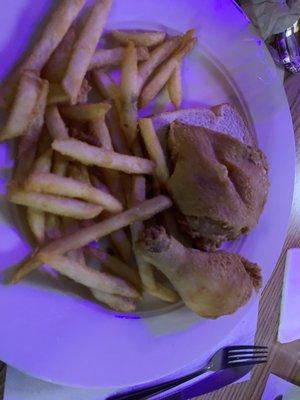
(247, 353)
(245, 363)
(244, 347)
(245, 358)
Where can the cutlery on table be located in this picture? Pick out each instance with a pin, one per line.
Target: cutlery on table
(227, 357)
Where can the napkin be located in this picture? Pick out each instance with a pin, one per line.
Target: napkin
(277, 387)
(272, 16)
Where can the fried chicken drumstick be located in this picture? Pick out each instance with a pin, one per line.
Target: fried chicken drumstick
(210, 284)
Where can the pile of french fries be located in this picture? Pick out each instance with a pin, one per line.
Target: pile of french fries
(82, 168)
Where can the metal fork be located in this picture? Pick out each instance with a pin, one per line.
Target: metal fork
(228, 357)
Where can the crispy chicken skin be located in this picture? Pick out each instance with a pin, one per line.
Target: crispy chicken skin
(210, 284)
(218, 184)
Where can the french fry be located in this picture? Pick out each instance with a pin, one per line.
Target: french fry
(115, 266)
(113, 124)
(88, 276)
(157, 56)
(84, 91)
(105, 85)
(60, 165)
(84, 112)
(69, 187)
(84, 236)
(111, 178)
(91, 155)
(129, 94)
(70, 226)
(84, 48)
(53, 227)
(43, 162)
(54, 204)
(79, 172)
(77, 256)
(36, 222)
(57, 130)
(138, 195)
(145, 269)
(57, 95)
(114, 57)
(27, 148)
(53, 34)
(119, 238)
(99, 129)
(118, 303)
(122, 245)
(36, 218)
(174, 86)
(55, 124)
(55, 67)
(139, 38)
(23, 107)
(154, 149)
(165, 71)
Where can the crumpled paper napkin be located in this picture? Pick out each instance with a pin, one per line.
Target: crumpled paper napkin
(271, 16)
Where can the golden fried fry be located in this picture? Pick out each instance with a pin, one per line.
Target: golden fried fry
(119, 238)
(60, 165)
(175, 87)
(129, 94)
(165, 71)
(53, 227)
(36, 218)
(53, 33)
(84, 236)
(55, 124)
(105, 85)
(154, 149)
(122, 245)
(55, 68)
(145, 269)
(100, 131)
(84, 112)
(114, 57)
(118, 303)
(57, 95)
(69, 187)
(29, 142)
(157, 56)
(87, 276)
(115, 266)
(84, 48)
(54, 204)
(113, 124)
(24, 105)
(111, 178)
(91, 155)
(139, 38)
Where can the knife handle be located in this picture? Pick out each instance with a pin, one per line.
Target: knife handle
(285, 361)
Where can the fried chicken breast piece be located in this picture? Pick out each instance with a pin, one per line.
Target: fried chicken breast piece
(210, 284)
(219, 184)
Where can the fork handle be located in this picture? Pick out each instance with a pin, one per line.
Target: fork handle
(152, 390)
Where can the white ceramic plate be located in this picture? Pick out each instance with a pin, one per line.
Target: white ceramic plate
(59, 336)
